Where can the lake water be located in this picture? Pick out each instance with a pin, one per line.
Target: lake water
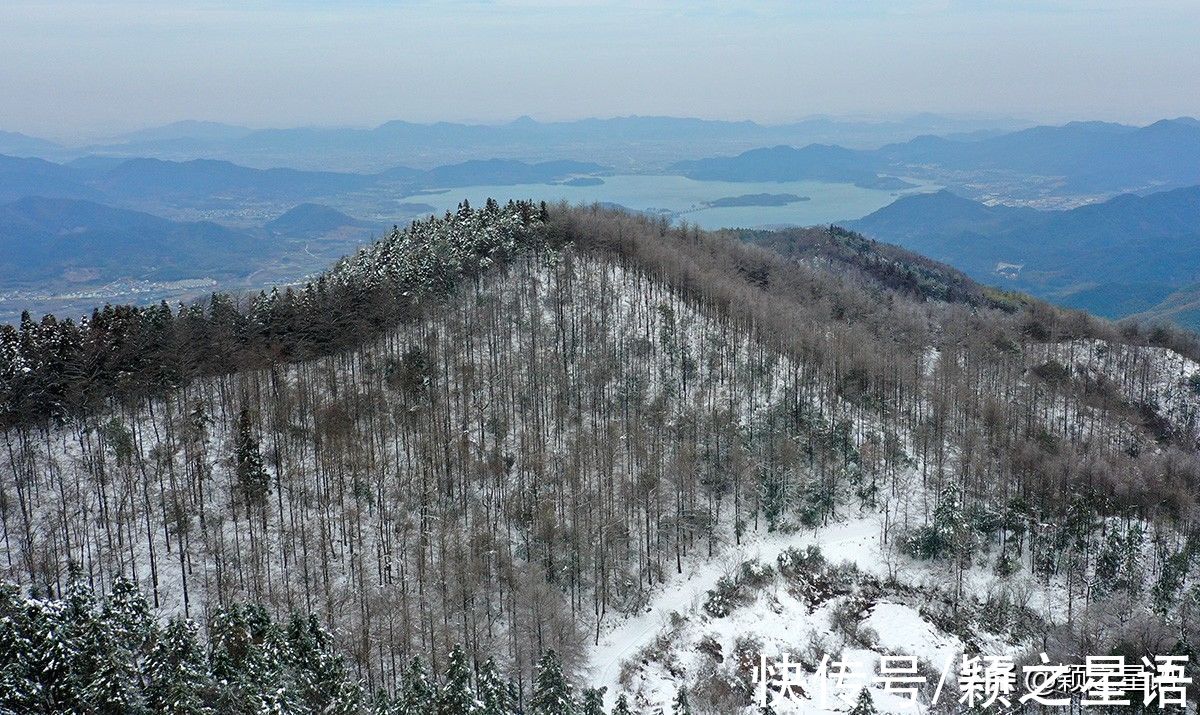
(685, 198)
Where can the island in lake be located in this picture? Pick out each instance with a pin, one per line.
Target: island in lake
(756, 200)
(885, 183)
(583, 181)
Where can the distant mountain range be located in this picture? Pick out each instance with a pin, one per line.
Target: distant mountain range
(632, 143)
(143, 183)
(43, 240)
(36, 177)
(1081, 159)
(1088, 156)
(1121, 257)
(1077, 158)
(1118, 255)
(23, 145)
(70, 254)
(100, 228)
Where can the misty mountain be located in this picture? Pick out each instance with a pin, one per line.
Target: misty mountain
(37, 177)
(632, 142)
(187, 129)
(312, 220)
(504, 172)
(1089, 156)
(912, 218)
(602, 136)
(144, 180)
(146, 183)
(17, 144)
(1097, 158)
(199, 178)
(1079, 157)
(815, 162)
(1114, 258)
(43, 239)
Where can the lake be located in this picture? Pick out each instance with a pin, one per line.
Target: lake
(685, 199)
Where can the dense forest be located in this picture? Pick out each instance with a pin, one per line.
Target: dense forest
(112, 655)
(490, 435)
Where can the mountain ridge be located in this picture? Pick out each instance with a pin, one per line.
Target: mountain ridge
(1089, 257)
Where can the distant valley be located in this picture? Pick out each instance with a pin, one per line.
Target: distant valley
(1045, 209)
(1042, 166)
(1130, 255)
(68, 255)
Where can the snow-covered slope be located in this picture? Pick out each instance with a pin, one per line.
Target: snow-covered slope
(622, 450)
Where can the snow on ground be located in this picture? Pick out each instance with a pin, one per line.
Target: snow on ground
(1157, 376)
(901, 628)
(674, 641)
(685, 593)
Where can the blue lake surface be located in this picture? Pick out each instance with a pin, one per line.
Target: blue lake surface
(684, 198)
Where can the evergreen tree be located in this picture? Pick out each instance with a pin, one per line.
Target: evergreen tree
(269, 676)
(71, 656)
(72, 646)
(457, 697)
(493, 691)
(113, 684)
(622, 706)
(416, 696)
(17, 677)
(322, 682)
(245, 673)
(383, 704)
(514, 696)
(252, 476)
(176, 674)
(593, 701)
(865, 704)
(681, 706)
(551, 691)
(127, 631)
(128, 614)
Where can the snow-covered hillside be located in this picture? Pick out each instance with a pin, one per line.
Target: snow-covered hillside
(619, 441)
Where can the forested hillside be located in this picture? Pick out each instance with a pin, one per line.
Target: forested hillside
(514, 429)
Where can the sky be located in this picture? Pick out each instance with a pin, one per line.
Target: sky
(72, 68)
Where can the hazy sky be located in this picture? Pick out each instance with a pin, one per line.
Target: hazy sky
(108, 65)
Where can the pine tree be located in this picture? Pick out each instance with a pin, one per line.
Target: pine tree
(129, 631)
(243, 664)
(622, 706)
(252, 476)
(416, 696)
(72, 646)
(176, 673)
(17, 627)
(457, 697)
(128, 613)
(514, 695)
(551, 691)
(112, 685)
(681, 706)
(593, 701)
(268, 676)
(493, 691)
(383, 704)
(321, 680)
(865, 704)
